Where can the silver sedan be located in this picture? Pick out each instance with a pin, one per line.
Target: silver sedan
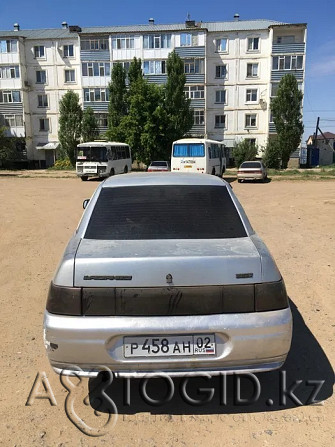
(165, 274)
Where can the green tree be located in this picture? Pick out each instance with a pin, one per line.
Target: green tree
(117, 102)
(70, 116)
(177, 106)
(286, 112)
(272, 154)
(89, 126)
(7, 146)
(144, 99)
(135, 71)
(244, 150)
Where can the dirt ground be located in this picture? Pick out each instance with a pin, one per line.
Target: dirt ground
(296, 219)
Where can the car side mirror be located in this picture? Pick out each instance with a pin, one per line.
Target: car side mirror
(85, 203)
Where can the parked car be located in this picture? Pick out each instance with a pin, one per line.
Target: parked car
(252, 170)
(156, 166)
(165, 273)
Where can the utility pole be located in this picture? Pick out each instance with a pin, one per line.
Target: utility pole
(316, 131)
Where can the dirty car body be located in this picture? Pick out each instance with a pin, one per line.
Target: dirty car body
(181, 289)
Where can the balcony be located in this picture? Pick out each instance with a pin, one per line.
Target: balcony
(185, 52)
(276, 75)
(288, 48)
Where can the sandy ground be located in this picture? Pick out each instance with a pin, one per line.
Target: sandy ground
(296, 220)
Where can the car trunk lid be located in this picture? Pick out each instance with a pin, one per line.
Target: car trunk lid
(159, 263)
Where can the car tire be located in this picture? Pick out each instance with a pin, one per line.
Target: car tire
(112, 172)
(125, 169)
(213, 171)
(84, 178)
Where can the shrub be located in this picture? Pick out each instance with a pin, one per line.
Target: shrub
(245, 150)
(272, 154)
(64, 163)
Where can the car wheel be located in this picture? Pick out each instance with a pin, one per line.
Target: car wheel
(239, 180)
(84, 178)
(213, 171)
(112, 172)
(125, 169)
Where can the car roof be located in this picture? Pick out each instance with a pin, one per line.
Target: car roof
(160, 178)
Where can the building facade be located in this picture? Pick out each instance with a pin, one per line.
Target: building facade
(232, 71)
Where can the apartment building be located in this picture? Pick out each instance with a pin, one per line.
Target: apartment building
(232, 70)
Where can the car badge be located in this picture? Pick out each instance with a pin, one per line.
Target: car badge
(107, 277)
(244, 275)
(169, 278)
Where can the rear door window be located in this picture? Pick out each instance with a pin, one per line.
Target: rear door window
(165, 212)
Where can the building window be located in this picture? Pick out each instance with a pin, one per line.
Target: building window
(70, 76)
(44, 124)
(194, 91)
(42, 100)
(287, 62)
(253, 43)
(274, 89)
(154, 67)
(102, 119)
(9, 72)
(41, 77)
(221, 45)
(95, 68)
(94, 45)
(220, 121)
(220, 96)
(286, 39)
(96, 94)
(250, 120)
(252, 141)
(198, 117)
(39, 51)
(11, 120)
(186, 40)
(121, 43)
(194, 66)
(8, 46)
(10, 96)
(68, 51)
(252, 70)
(221, 71)
(251, 95)
(157, 41)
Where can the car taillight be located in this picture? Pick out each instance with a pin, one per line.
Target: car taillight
(234, 298)
(64, 300)
(270, 296)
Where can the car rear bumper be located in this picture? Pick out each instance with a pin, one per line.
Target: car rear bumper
(247, 176)
(248, 342)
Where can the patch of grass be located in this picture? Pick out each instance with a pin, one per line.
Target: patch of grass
(324, 173)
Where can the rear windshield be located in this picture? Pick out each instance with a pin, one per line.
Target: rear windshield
(165, 212)
(251, 164)
(159, 163)
(188, 150)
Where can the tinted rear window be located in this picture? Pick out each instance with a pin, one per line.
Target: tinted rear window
(251, 164)
(165, 212)
(159, 163)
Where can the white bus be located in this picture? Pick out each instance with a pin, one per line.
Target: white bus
(102, 159)
(198, 155)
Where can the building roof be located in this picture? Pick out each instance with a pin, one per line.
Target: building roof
(328, 136)
(55, 33)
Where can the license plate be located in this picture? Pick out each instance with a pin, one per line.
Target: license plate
(169, 346)
(187, 166)
(90, 171)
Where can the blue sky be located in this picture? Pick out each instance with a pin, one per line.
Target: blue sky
(319, 97)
